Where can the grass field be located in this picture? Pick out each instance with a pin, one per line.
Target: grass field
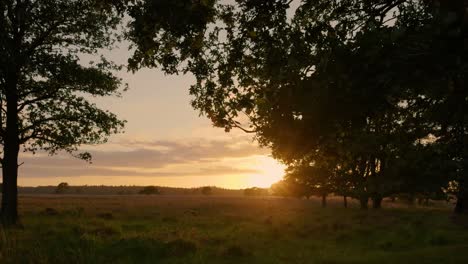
(201, 229)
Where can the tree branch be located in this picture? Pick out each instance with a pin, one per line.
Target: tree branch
(35, 100)
(41, 38)
(243, 129)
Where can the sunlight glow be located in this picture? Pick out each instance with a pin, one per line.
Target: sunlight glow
(270, 170)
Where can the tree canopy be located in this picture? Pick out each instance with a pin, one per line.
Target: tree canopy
(353, 87)
(46, 87)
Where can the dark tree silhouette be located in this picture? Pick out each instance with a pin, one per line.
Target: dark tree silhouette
(62, 188)
(286, 189)
(255, 191)
(150, 190)
(45, 88)
(355, 85)
(207, 190)
(315, 180)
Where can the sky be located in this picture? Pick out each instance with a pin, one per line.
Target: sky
(165, 143)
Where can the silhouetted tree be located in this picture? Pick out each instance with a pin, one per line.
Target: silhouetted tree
(352, 84)
(316, 181)
(150, 190)
(207, 190)
(255, 191)
(280, 188)
(45, 87)
(167, 32)
(62, 188)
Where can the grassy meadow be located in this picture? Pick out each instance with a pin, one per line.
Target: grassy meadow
(211, 229)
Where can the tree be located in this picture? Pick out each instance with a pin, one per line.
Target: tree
(167, 32)
(62, 188)
(288, 187)
(150, 190)
(258, 65)
(315, 180)
(207, 190)
(45, 88)
(282, 188)
(350, 84)
(255, 191)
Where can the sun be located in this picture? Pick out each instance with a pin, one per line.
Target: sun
(269, 172)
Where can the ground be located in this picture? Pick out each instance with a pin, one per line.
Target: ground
(209, 229)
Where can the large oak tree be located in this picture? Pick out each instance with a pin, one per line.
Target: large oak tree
(45, 89)
(360, 84)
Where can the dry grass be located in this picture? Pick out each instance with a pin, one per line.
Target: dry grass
(209, 229)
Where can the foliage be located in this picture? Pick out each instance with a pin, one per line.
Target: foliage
(51, 80)
(167, 32)
(361, 89)
(288, 188)
(46, 87)
(314, 181)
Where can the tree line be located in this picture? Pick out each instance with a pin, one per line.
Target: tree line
(76, 190)
(363, 98)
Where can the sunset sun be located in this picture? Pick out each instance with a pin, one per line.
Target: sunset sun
(269, 172)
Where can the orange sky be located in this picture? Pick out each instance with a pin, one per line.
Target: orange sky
(165, 143)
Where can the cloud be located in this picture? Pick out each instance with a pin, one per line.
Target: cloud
(98, 171)
(168, 158)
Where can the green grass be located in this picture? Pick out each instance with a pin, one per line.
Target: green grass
(166, 229)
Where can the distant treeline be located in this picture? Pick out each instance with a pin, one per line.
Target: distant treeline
(64, 188)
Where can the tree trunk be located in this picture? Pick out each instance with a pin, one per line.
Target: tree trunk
(324, 200)
(10, 189)
(345, 201)
(377, 202)
(10, 157)
(363, 201)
